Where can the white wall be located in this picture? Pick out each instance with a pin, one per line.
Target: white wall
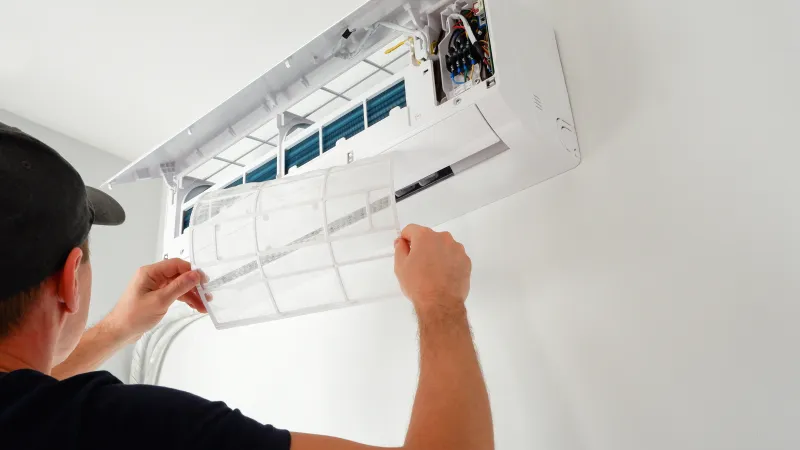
(646, 300)
(116, 251)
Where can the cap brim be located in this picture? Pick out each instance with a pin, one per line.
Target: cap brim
(107, 211)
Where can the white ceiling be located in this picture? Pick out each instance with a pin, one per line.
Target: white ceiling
(126, 76)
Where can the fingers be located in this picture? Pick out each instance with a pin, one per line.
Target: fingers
(166, 269)
(192, 303)
(192, 298)
(413, 231)
(401, 250)
(180, 286)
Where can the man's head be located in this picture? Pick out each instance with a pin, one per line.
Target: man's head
(46, 213)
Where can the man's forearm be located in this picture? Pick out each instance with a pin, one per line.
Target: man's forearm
(96, 345)
(451, 409)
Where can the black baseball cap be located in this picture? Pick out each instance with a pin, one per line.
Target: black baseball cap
(45, 211)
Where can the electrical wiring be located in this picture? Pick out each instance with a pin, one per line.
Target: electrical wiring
(464, 21)
(410, 42)
(426, 40)
(454, 31)
(486, 49)
(416, 33)
(469, 56)
(395, 47)
(487, 55)
(456, 34)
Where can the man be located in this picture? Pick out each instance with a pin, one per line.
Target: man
(49, 399)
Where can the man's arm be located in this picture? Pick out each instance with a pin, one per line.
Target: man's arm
(451, 408)
(151, 292)
(96, 345)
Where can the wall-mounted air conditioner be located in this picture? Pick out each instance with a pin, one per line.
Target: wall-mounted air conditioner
(470, 96)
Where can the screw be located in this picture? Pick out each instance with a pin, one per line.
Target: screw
(457, 101)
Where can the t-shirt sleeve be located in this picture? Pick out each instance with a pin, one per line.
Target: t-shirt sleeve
(157, 417)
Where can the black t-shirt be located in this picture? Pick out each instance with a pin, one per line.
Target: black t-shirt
(97, 411)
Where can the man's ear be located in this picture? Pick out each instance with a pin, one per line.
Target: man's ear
(68, 281)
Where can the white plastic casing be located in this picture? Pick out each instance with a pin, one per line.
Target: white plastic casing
(497, 136)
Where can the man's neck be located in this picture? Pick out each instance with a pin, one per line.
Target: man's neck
(25, 350)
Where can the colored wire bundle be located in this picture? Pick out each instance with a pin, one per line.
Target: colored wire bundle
(469, 53)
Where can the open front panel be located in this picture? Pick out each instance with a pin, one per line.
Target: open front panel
(353, 43)
(440, 85)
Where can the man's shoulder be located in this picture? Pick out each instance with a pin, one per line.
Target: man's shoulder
(30, 384)
(95, 393)
(95, 407)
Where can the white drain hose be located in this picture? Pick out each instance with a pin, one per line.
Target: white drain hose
(151, 348)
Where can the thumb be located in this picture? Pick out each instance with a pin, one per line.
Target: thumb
(179, 286)
(401, 250)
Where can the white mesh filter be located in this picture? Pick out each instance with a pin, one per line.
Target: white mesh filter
(297, 245)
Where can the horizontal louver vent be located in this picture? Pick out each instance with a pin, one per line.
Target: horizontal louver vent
(345, 127)
(303, 152)
(379, 106)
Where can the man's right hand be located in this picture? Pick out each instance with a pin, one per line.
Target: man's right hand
(149, 295)
(433, 269)
(451, 408)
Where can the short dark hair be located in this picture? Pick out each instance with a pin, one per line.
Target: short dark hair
(14, 308)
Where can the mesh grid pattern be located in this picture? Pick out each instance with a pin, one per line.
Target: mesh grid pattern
(297, 245)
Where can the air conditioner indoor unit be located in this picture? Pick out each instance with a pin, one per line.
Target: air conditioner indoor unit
(470, 96)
